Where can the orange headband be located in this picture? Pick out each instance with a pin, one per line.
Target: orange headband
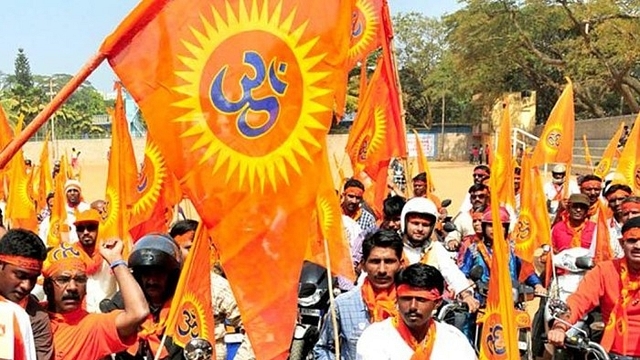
(630, 205)
(633, 233)
(23, 262)
(354, 191)
(405, 290)
(591, 182)
(66, 264)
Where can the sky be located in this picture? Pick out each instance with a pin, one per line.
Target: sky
(59, 36)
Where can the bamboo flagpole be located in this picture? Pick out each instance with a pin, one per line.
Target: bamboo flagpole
(332, 301)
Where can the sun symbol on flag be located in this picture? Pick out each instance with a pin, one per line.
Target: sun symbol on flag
(325, 216)
(150, 179)
(253, 93)
(192, 323)
(364, 29)
(112, 200)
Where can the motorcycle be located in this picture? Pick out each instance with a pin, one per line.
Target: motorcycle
(198, 349)
(313, 303)
(577, 339)
(521, 295)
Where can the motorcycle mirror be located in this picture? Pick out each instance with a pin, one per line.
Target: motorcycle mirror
(476, 273)
(444, 203)
(198, 349)
(546, 248)
(448, 227)
(584, 262)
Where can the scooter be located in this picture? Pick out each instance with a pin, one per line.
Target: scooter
(577, 339)
(313, 303)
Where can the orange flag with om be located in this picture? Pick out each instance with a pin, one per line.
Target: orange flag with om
(157, 193)
(556, 140)
(502, 162)
(628, 162)
(239, 97)
(366, 30)
(121, 178)
(191, 313)
(5, 137)
(45, 181)
(610, 154)
(533, 228)
(499, 330)
(20, 210)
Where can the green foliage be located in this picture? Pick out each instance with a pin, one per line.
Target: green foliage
(25, 94)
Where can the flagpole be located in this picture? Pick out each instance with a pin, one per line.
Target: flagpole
(16, 143)
(332, 301)
(159, 352)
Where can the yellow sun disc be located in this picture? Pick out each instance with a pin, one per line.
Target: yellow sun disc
(251, 93)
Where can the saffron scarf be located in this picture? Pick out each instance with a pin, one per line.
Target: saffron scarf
(422, 349)
(381, 304)
(152, 332)
(576, 233)
(619, 321)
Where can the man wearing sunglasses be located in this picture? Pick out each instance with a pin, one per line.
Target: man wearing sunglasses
(614, 286)
(101, 283)
(478, 196)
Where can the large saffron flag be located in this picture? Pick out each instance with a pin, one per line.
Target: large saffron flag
(610, 154)
(239, 97)
(121, 179)
(45, 181)
(191, 313)
(499, 331)
(532, 229)
(628, 162)
(20, 210)
(366, 30)
(556, 140)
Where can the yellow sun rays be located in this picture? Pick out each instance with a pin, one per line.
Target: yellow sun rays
(275, 166)
(370, 24)
(379, 131)
(152, 192)
(113, 207)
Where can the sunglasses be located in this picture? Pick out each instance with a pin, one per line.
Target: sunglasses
(631, 241)
(481, 176)
(87, 227)
(478, 196)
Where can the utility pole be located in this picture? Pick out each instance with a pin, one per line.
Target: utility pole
(53, 121)
(442, 128)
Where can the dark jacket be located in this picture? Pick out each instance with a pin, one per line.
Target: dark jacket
(41, 327)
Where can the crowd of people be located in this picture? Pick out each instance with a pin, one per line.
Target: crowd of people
(81, 299)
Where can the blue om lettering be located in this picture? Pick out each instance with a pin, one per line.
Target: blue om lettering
(65, 251)
(189, 325)
(356, 25)
(142, 179)
(247, 103)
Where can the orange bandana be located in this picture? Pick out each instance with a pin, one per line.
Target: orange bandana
(152, 332)
(354, 191)
(422, 349)
(409, 291)
(61, 258)
(22, 262)
(576, 234)
(619, 321)
(92, 263)
(381, 304)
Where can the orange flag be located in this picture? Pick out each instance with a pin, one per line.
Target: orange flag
(45, 181)
(149, 213)
(366, 30)
(58, 227)
(5, 137)
(603, 250)
(121, 178)
(423, 164)
(628, 162)
(499, 339)
(20, 210)
(191, 313)
(556, 140)
(502, 163)
(238, 96)
(533, 228)
(610, 154)
(587, 153)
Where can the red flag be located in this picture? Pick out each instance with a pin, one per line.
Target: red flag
(238, 96)
(191, 313)
(556, 140)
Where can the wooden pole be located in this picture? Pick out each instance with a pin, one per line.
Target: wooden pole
(332, 301)
(64, 93)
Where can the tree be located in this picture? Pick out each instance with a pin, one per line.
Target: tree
(22, 73)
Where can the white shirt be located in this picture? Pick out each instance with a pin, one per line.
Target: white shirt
(9, 310)
(464, 227)
(100, 286)
(381, 341)
(437, 256)
(550, 190)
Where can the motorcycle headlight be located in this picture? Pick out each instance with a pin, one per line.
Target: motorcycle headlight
(310, 300)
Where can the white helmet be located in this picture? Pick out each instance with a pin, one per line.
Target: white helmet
(418, 205)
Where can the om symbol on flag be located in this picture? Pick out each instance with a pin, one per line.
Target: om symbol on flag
(189, 325)
(247, 103)
(65, 251)
(553, 139)
(523, 227)
(495, 340)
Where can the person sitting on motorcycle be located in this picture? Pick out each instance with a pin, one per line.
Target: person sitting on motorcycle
(413, 333)
(372, 301)
(575, 230)
(479, 254)
(616, 193)
(418, 218)
(613, 285)
(479, 198)
(476, 216)
(155, 262)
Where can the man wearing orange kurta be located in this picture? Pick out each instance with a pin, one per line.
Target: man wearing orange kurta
(78, 334)
(614, 286)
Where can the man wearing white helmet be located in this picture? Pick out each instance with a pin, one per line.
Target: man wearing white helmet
(554, 189)
(418, 219)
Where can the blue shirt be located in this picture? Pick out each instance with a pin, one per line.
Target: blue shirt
(353, 318)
